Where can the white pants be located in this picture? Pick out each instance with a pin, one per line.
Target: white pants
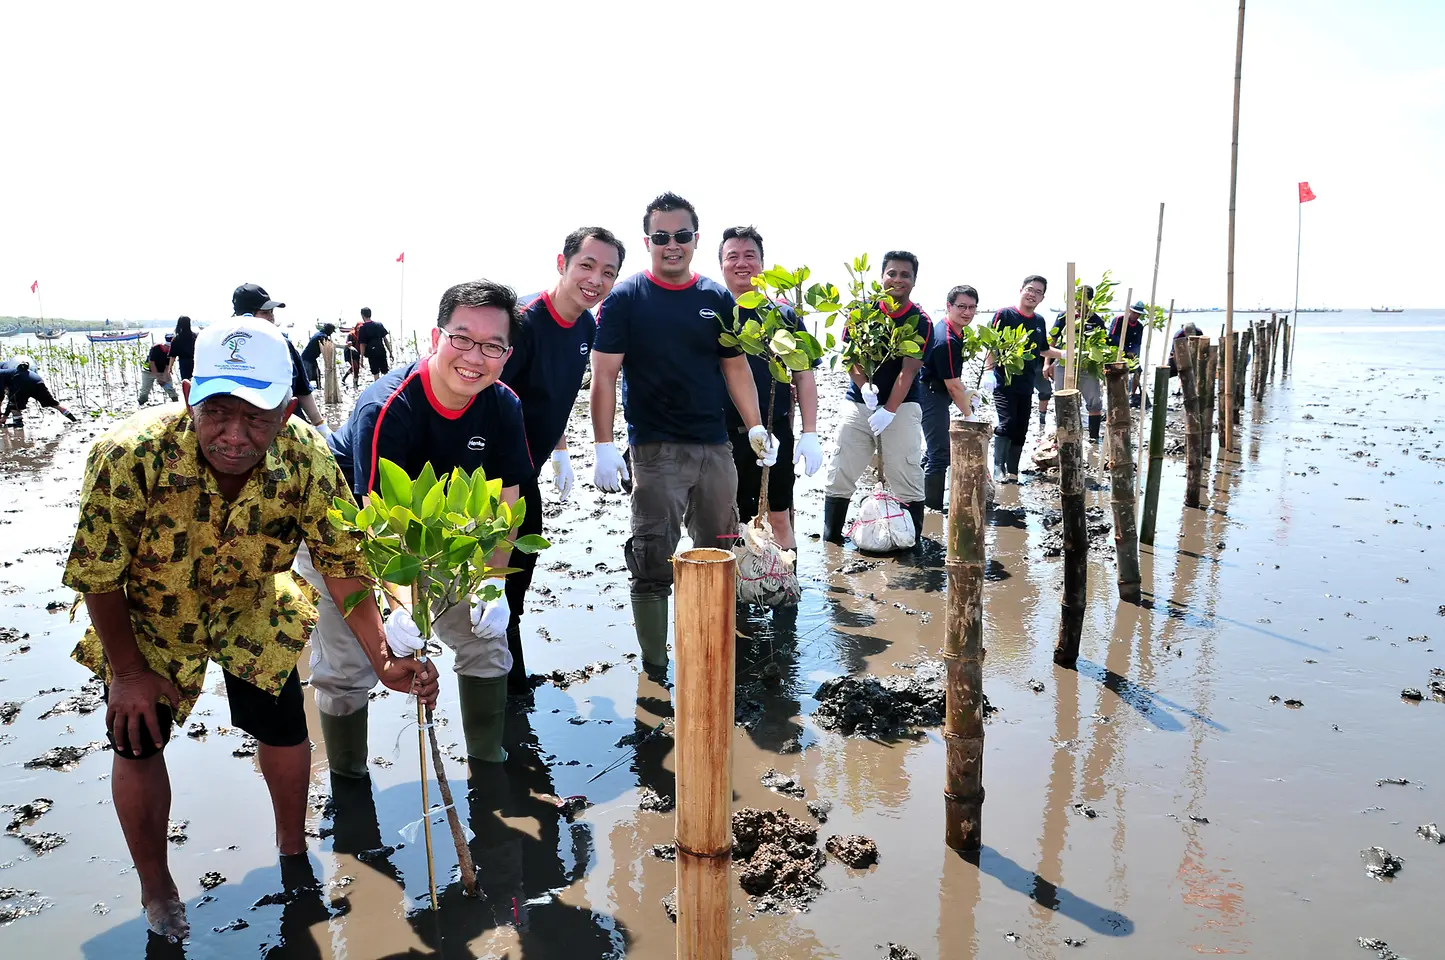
(342, 676)
(902, 446)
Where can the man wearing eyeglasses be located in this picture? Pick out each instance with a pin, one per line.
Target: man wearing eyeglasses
(1013, 398)
(545, 369)
(659, 329)
(447, 409)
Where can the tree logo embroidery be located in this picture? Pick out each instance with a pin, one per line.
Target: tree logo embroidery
(234, 343)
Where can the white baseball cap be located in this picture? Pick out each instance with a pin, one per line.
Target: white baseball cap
(242, 357)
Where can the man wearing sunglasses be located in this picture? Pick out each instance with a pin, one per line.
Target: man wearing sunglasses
(447, 409)
(659, 329)
(546, 367)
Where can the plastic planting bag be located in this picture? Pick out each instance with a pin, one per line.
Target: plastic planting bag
(765, 570)
(883, 525)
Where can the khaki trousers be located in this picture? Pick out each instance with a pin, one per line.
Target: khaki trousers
(673, 484)
(902, 446)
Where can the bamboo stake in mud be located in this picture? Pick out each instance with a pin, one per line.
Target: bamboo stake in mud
(1075, 528)
(1070, 363)
(1153, 290)
(1230, 348)
(1156, 454)
(1273, 344)
(704, 627)
(1243, 343)
(1194, 464)
(1207, 384)
(963, 637)
(328, 357)
(1124, 320)
(1121, 485)
(1139, 458)
(1284, 352)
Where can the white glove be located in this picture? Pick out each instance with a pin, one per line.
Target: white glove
(880, 420)
(870, 396)
(610, 469)
(764, 444)
(323, 429)
(810, 451)
(975, 403)
(990, 382)
(489, 620)
(402, 636)
(562, 476)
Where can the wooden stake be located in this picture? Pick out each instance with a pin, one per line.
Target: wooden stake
(465, 866)
(431, 870)
(1139, 460)
(1241, 356)
(1075, 528)
(328, 379)
(1273, 343)
(1070, 363)
(1284, 371)
(1156, 454)
(963, 637)
(1194, 464)
(704, 628)
(1121, 486)
(1207, 385)
(1227, 423)
(1124, 320)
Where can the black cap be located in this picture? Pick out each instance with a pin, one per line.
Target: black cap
(250, 298)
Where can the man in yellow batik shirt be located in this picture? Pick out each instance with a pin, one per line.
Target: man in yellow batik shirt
(189, 521)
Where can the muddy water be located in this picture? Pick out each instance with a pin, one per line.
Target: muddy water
(1223, 823)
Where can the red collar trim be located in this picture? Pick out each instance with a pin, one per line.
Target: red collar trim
(670, 286)
(431, 396)
(901, 310)
(561, 321)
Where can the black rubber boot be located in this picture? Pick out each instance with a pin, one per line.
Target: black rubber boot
(1000, 459)
(517, 683)
(835, 516)
(1015, 453)
(1095, 421)
(915, 510)
(933, 491)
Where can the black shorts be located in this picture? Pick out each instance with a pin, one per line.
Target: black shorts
(376, 358)
(278, 721)
(750, 475)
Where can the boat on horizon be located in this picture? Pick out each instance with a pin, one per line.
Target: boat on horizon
(1387, 309)
(54, 333)
(119, 336)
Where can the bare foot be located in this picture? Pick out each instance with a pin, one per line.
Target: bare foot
(167, 918)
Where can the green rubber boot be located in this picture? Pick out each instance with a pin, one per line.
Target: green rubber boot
(484, 707)
(345, 743)
(649, 614)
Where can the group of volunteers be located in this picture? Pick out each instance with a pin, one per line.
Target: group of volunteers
(193, 517)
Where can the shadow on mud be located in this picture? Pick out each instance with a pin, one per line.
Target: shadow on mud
(1101, 920)
(1149, 704)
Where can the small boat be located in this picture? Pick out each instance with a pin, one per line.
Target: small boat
(117, 337)
(54, 333)
(1387, 309)
(10, 331)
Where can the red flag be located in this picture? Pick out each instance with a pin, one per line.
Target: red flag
(35, 287)
(401, 257)
(1305, 193)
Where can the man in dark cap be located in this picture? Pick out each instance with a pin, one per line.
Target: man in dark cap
(252, 300)
(18, 384)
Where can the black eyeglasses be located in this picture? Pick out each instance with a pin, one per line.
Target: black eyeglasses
(489, 349)
(661, 238)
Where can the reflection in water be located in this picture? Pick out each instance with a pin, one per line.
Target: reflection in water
(1058, 798)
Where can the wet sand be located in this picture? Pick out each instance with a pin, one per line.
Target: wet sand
(1224, 823)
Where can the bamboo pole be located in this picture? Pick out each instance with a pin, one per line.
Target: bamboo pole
(1121, 487)
(1124, 320)
(1156, 454)
(328, 357)
(1139, 460)
(1221, 406)
(1194, 465)
(704, 628)
(1274, 324)
(1227, 423)
(1284, 370)
(1070, 363)
(1207, 386)
(1153, 291)
(1242, 347)
(963, 637)
(1075, 529)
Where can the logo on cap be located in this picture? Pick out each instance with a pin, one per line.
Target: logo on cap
(234, 343)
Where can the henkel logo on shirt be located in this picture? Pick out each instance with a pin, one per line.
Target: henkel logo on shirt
(707, 314)
(476, 443)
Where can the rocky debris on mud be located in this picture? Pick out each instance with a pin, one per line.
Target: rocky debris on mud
(247, 747)
(1095, 518)
(854, 850)
(196, 730)
(1085, 810)
(861, 565)
(1074, 942)
(1381, 948)
(1381, 863)
(42, 842)
(1429, 831)
(569, 807)
(1037, 686)
(24, 814)
(9, 711)
(211, 880)
(1393, 781)
(15, 904)
(1412, 693)
(669, 904)
(562, 679)
(664, 851)
(1292, 704)
(820, 809)
(782, 783)
(747, 712)
(897, 951)
(778, 859)
(650, 800)
(88, 700)
(63, 758)
(883, 708)
(176, 831)
(11, 635)
(236, 924)
(378, 854)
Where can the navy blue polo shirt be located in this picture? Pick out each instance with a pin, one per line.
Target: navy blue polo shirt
(1133, 340)
(673, 390)
(27, 386)
(887, 373)
(399, 418)
(763, 377)
(945, 355)
(313, 346)
(1013, 317)
(545, 370)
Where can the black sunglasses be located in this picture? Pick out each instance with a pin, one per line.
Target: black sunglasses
(661, 238)
(489, 349)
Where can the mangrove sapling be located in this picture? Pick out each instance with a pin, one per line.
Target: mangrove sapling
(435, 536)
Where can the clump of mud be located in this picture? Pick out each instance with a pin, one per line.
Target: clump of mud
(1429, 831)
(778, 859)
(42, 842)
(1381, 863)
(14, 904)
(63, 758)
(1095, 518)
(897, 951)
(562, 679)
(820, 809)
(887, 707)
(88, 700)
(9, 711)
(24, 814)
(650, 800)
(782, 783)
(854, 850)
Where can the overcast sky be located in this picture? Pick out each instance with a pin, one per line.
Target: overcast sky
(158, 155)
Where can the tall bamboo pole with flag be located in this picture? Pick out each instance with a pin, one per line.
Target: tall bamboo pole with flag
(35, 289)
(401, 297)
(1305, 196)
